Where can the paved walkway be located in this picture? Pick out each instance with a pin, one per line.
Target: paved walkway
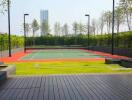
(68, 87)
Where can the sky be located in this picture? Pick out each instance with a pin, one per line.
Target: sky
(63, 11)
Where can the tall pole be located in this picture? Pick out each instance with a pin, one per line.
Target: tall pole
(9, 30)
(113, 22)
(25, 33)
(88, 29)
(24, 36)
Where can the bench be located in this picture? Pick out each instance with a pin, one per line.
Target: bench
(112, 61)
(126, 63)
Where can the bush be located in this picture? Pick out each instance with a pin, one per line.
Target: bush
(16, 41)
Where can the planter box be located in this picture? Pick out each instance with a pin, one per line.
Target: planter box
(5, 71)
(10, 70)
(3, 77)
(112, 61)
(126, 63)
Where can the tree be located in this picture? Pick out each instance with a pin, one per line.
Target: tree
(45, 28)
(57, 29)
(62, 31)
(126, 6)
(66, 29)
(119, 18)
(108, 20)
(3, 6)
(94, 26)
(101, 23)
(27, 28)
(35, 27)
(81, 28)
(75, 28)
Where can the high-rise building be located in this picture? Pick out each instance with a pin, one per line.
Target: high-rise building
(44, 17)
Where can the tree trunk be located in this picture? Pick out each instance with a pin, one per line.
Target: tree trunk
(128, 23)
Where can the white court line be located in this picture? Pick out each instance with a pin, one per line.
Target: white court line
(33, 55)
(24, 57)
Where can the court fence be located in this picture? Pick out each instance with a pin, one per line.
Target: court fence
(117, 51)
(122, 42)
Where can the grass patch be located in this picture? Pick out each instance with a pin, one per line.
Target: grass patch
(42, 68)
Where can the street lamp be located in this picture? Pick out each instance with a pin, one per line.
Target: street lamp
(87, 15)
(113, 22)
(9, 30)
(25, 33)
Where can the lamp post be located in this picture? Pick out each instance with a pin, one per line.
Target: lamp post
(9, 30)
(87, 15)
(25, 33)
(113, 22)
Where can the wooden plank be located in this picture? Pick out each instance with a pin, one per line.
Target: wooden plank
(42, 88)
(35, 94)
(61, 88)
(51, 88)
(115, 84)
(23, 95)
(56, 89)
(68, 87)
(82, 89)
(6, 83)
(9, 83)
(75, 94)
(46, 92)
(88, 88)
(111, 93)
(17, 83)
(30, 94)
(126, 83)
(29, 84)
(5, 96)
(92, 80)
(65, 89)
(95, 91)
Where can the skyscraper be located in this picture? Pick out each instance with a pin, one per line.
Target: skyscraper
(44, 16)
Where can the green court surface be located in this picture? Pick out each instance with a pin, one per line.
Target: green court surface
(59, 53)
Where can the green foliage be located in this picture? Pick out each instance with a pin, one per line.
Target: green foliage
(122, 40)
(16, 41)
(3, 6)
(35, 26)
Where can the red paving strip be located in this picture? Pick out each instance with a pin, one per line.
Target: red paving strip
(106, 54)
(16, 57)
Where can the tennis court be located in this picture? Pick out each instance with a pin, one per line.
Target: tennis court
(61, 61)
(60, 54)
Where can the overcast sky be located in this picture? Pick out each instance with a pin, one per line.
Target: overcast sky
(63, 11)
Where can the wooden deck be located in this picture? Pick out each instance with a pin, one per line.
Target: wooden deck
(68, 87)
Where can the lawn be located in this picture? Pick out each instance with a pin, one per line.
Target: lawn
(43, 68)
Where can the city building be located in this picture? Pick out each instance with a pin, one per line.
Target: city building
(44, 21)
